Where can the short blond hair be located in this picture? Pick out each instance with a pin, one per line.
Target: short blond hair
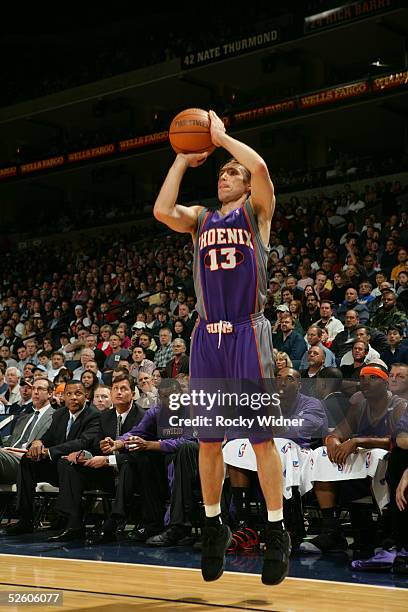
(285, 356)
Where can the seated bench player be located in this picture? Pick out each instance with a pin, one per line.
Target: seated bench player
(293, 446)
(338, 472)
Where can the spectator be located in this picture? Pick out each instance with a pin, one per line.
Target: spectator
(288, 341)
(125, 341)
(180, 362)
(148, 344)
(116, 355)
(102, 399)
(57, 362)
(5, 355)
(90, 381)
(388, 314)
(91, 343)
(282, 360)
(315, 362)
(397, 352)
(365, 296)
(398, 384)
(314, 338)
(340, 285)
(320, 286)
(274, 291)
(164, 353)
(22, 356)
(359, 354)
(328, 321)
(311, 313)
(140, 363)
(180, 331)
(344, 340)
(389, 258)
(86, 355)
(149, 394)
(158, 376)
(104, 345)
(351, 303)
(12, 395)
(364, 334)
(184, 315)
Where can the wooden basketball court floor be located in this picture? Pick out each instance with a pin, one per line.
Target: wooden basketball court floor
(103, 586)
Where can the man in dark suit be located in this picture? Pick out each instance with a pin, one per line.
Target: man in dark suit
(99, 472)
(73, 428)
(180, 362)
(152, 444)
(28, 427)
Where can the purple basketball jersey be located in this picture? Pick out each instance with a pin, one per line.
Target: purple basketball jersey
(230, 265)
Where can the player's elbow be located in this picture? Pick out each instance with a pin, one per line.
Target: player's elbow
(261, 169)
(158, 213)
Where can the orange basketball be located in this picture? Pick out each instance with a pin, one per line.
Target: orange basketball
(190, 132)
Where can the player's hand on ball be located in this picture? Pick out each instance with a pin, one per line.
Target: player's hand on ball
(217, 128)
(193, 159)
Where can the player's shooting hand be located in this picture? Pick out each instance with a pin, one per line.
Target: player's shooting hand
(217, 128)
(193, 160)
(402, 492)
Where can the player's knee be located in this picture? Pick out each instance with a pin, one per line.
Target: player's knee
(210, 448)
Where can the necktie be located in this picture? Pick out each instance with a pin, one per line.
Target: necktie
(118, 427)
(69, 425)
(26, 435)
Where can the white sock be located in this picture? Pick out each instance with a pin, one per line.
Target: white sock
(213, 510)
(275, 515)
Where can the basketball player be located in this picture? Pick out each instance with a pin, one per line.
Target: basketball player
(233, 338)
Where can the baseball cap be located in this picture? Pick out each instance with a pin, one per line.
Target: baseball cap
(139, 325)
(388, 290)
(274, 280)
(283, 308)
(25, 382)
(378, 361)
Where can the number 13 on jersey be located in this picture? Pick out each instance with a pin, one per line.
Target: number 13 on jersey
(226, 258)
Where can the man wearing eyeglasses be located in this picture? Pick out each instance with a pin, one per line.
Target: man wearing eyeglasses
(28, 428)
(73, 428)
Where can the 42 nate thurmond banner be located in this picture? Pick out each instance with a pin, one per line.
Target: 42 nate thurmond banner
(231, 48)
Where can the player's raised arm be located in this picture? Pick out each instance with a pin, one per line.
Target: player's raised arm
(176, 217)
(262, 192)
